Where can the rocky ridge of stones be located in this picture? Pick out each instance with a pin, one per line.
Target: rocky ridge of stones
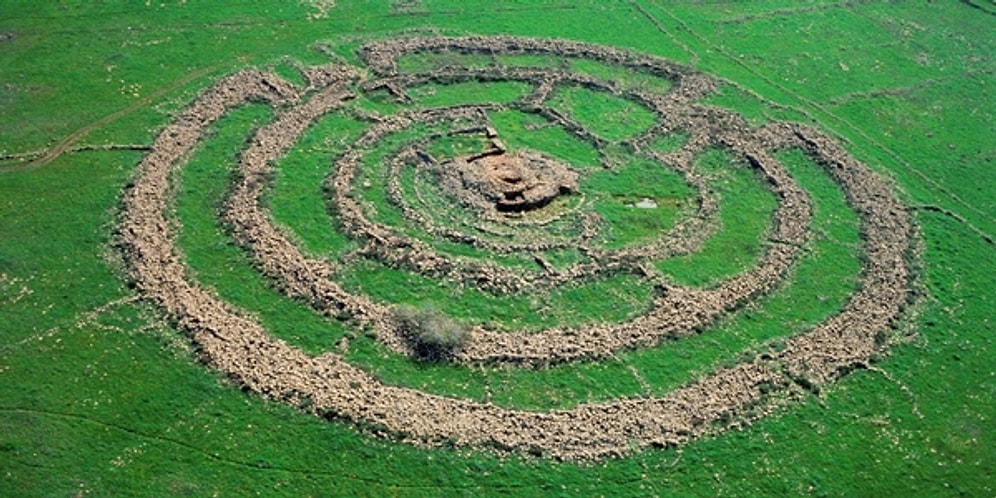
(239, 346)
(678, 311)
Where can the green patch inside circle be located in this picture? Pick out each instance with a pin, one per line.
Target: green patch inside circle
(608, 116)
(638, 201)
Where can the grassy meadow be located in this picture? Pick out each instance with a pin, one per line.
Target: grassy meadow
(101, 396)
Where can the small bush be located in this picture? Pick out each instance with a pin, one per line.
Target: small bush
(433, 334)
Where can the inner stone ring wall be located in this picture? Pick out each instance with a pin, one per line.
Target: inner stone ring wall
(239, 346)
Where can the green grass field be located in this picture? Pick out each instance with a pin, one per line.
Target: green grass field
(101, 396)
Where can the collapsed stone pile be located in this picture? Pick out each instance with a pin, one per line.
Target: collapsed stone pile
(235, 344)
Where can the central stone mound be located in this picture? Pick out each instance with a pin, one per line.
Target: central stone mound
(499, 182)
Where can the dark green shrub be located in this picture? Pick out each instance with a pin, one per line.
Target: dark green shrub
(433, 334)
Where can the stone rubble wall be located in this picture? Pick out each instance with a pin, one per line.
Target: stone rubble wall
(227, 339)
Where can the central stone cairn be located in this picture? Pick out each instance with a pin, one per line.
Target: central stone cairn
(498, 183)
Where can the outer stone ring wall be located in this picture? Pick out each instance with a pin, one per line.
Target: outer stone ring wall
(240, 347)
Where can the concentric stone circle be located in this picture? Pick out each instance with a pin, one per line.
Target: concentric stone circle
(240, 347)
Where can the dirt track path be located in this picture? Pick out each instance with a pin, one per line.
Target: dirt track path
(67, 143)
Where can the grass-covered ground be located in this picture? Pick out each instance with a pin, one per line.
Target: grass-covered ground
(100, 397)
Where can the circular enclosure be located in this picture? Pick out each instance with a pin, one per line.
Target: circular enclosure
(517, 196)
